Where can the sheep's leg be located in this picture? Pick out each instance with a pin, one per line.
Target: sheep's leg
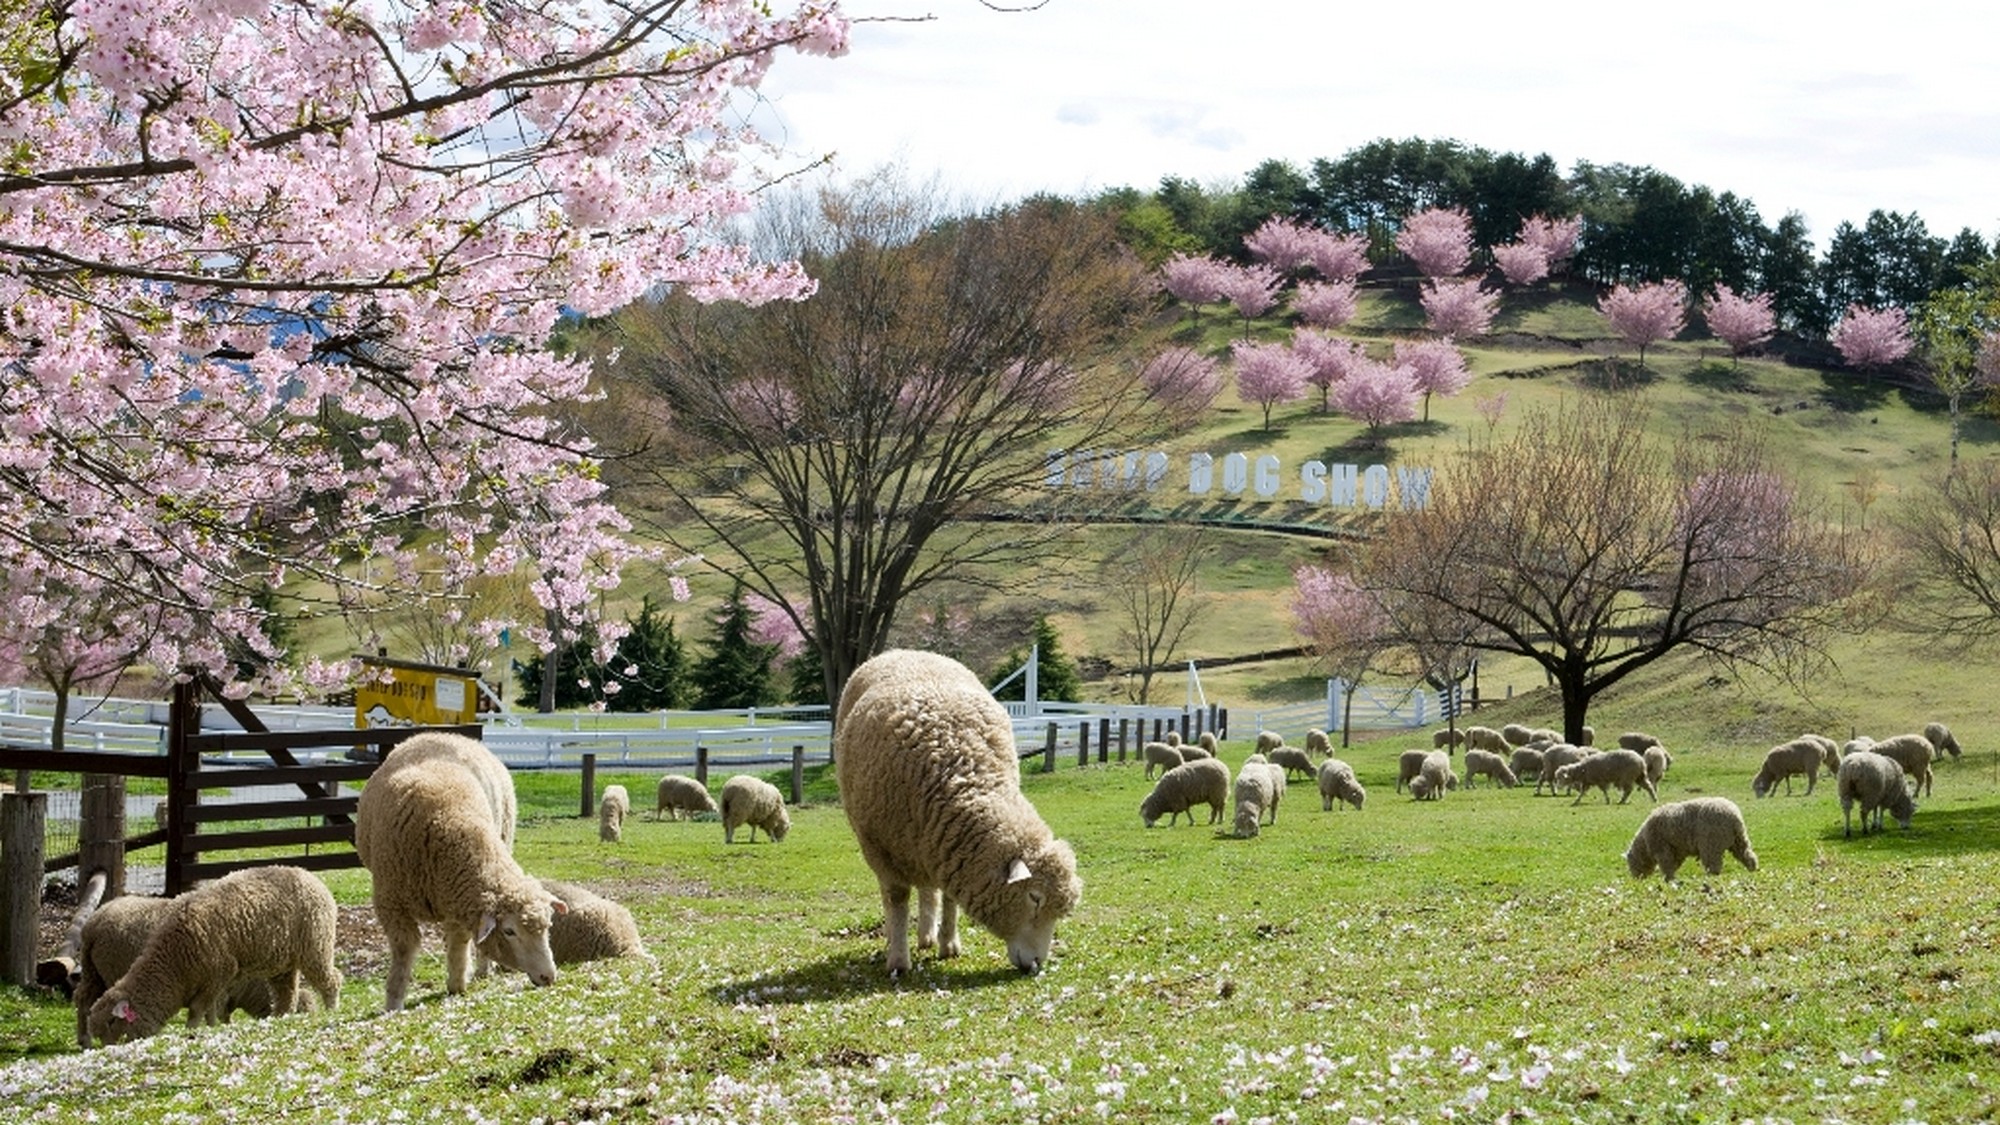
(927, 916)
(1670, 862)
(1711, 858)
(325, 980)
(896, 919)
(458, 954)
(404, 938)
(948, 945)
(284, 993)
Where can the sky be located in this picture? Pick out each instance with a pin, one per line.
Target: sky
(1830, 109)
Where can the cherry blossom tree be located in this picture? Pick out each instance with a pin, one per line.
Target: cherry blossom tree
(1521, 263)
(1343, 624)
(1740, 322)
(1555, 238)
(1324, 304)
(1438, 240)
(279, 281)
(1459, 308)
(1338, 257)
(1645, 314)
(1195, 281)
(1436, 367)
(1378, 394)
(1868, 337)
(1329, 358)
(1281, 243)
(1252, 289)
(1268, 374)
(1183, 383)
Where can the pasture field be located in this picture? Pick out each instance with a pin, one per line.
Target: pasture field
(1485, 957)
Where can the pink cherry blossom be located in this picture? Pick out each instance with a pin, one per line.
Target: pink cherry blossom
(1459, 308)
(1338, 257)
(1521, 263)
(1281, 243)
(1268, 374)
(1740, 322)
(1556, 238)
(1645, 314)
(1378, 394)
(1329, 359)
(1436, 367)
(1184, 383)
(1324, 304)
(1438, 240)
(1872, 337)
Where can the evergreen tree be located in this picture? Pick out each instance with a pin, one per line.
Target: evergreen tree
(579, 679)
(737, 672)
(808, 677)
(650, 666)
(1056, 680)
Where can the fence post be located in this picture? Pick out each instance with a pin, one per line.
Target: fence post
(1124, 728)
(1103, 741)
(1049, 751)
(589, 786)
(1214, 713)
(22, 816)
(101, 833)
(1222, 722)
(701, 765)
(183, 723)
(1083, 743)
(798, 775)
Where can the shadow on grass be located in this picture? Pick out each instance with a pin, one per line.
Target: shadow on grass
(1364, 448)
(1714, 376)
(855, 973)
(1934, 831)
(1850, 393)
(1616, 374)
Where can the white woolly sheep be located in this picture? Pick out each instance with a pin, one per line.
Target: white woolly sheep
(931, 784)
(1856, 744)
(1160, 756)
(1485, 763)
(1874, 782)
(110, 941)
(1173, 737)
(1447, 738)
(1206, 740)
(594, 928)
(1291, 760)
(1703, 827)
(1553, 760)
(1589, 735)
(1338, 783)
(1914, 753)
(1204, 781)
(681, 794)
(1799, 756)
(1658, 760)
(1942, 739)
(1515, 734)
(1434, 777)
(1829, 749)
(1526, 762)
(1486, 738)
(1194, 751)
(1636, 741)
(1621, 767)
(1269, 740)
(435, 828)
(1318, 743)
(276, 923)
(755, 802)
(1259, 788)
(1409, 764)
(611, 810)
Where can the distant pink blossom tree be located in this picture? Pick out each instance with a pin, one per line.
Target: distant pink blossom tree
(1740, 322)
(1459, 308)
(1268, 374)
(1345, 626)
(1183, 383)
(1436, 367)
(1324, 304)
(775, 625)
(1281, 243)
(1556, 238)
(1194, 281)
(1645, 314)
(1378, 394)
(1872, 337)
(1331, 358)
(1521, 263)
(1252, 289)
(1438, 240)
(1338, 257)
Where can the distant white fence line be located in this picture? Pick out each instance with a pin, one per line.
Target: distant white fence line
(1375, 708)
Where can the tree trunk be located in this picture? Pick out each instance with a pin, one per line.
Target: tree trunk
(545, 700)
(1576, 704)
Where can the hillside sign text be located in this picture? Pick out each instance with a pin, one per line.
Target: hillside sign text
(1233, 474)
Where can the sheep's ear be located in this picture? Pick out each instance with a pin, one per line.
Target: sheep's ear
(486, 924)
(559, 906)
(1017, 871)
(123, 1010)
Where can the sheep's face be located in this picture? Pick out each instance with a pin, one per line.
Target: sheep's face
(1038, 890)
(1901, 807)
(781, 825)
(1639, 861)
(113, 1019)
(1246, 820)
(517, 936)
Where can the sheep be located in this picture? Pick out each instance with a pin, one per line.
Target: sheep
(1318, 743)
(1526, 762)
(1621, 767)
(611, 810)
(1434, 777)
(1800, 755)
(1635, 741)
(435, 829)
(1160, 756)
(755, 802)
(594, 928)
(1704, 827)
(1486, 738)
(680, 794)
(1259, 788)
(1485, 763)
(1875, 782)
(1914, 753)
(1173, 737)
(931, 784)
(1856, 744)
(1941, 739)
(1515, 735)
(1553, 760)
(1658, 759)
(271, 922)
(1291, 759)
(1589, 736)
(1206, 740)
(1195, 751)
(1204, 781)
(1338, 783)
(1447, 738)
(1409, 764)
(110, 941)
(1269, 740)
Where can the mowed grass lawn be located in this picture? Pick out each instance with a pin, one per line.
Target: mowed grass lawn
(1484, 957)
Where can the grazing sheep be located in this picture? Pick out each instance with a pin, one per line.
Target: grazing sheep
(1486, 738)
(1259, 788)
(1318, 743)
(1914, 753)
(1704, 827)
(1269, 740)
(1173, 737)
(1447, 738)
(594, 929)
(1553, 760)
(1434, 777)
(275, 923)
(1636, 741)
(1621, 767)
(611, 810)
(1338, 783)
(1291, 759)
(1515, 735)
(1206, 740)
(1485, 763)
(1875, 782)
(1160, 756)
(931, 783)
(1526, 762)
(1589, 735)
(435, 828)
(1657, 762)
(1409, 764)
(1829, 749)
(679, 794)
(1204, 781)
(755, 802)
(1194, 751)
(110, 941)
(1799, 756)
(1856, 744)
(1941, 738)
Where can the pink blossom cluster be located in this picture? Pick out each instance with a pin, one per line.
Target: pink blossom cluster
(1378, 394)
(1868, 337)
(1458, 307)
(1328, 359)
(1741, 322)
(1287, 245)
(1645, 314)
(1269, 374)
(1183, 383)
(1331, 610)
(1438, 240)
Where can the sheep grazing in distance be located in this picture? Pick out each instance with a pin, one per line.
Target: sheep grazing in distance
(594, 929)
(1942, 739)
(1589, 735)
(1657, 762)
(611, 810)
(1173, 737)
(931, 785)
(1526, 762)
(1269, 740)
(1206, 740)
(435, 828)
(1338, 783)
(1259, 788)
(1434, 777)
(1636, 741)
(1195, 751)
(1447, 738)
(1291, 759)
(1914, 753)
(1486, 738)
(1624, 768)
(1856, 744)
(1485, 763)
(1204, 781)
(1799, 756)
(1553, 761)
(1159, 757)
(1874, 782)
(1704, 827)
(1515, 735)
(276, 923)
(1318, 743)
(680, 794)
(755, 802)
(1409, 764)
(111, 939)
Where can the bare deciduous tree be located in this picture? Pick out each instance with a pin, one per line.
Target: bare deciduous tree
(1154, 586)
(1950, 564)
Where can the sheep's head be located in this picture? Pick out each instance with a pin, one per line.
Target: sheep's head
(1037, 890)
(1246, 820)
(114, 1019)
(514, 931)
(1639, 861)
(1900, 806)
(779, 825)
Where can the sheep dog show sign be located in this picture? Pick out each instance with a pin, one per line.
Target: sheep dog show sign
(1338, 486)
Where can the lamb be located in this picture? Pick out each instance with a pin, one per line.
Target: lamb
(1434, 777)
(435, 828)
(1941, 738)
(1485, 763)
(270, 922)
(110, 941)
(1160, 756)
(1636, 741)
(1204, 781)
(755, 802)
(1409, 764)
(1318, 743)
(1291, 759)
(1526, 762)
(679, 794)
(1658, 759)
(1704, 827)
(1554, 759)
(1799, 756)
(1486, 738)
(1914, 753)
(1259, 788)
(1269, 740)
(594, 929)
(1515, 735)
(611, 810)
(931, 784)
(1623, 768)
(1875, 782)
(1447, 738)
(1338, 783)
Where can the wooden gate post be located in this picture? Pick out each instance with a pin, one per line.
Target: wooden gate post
(701, 765)
(1049, 751)
(1082, 743)
(798, 775)
(183, 723)
(589, 805)
(1104, 742)
(22, 816)
(101, 835)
